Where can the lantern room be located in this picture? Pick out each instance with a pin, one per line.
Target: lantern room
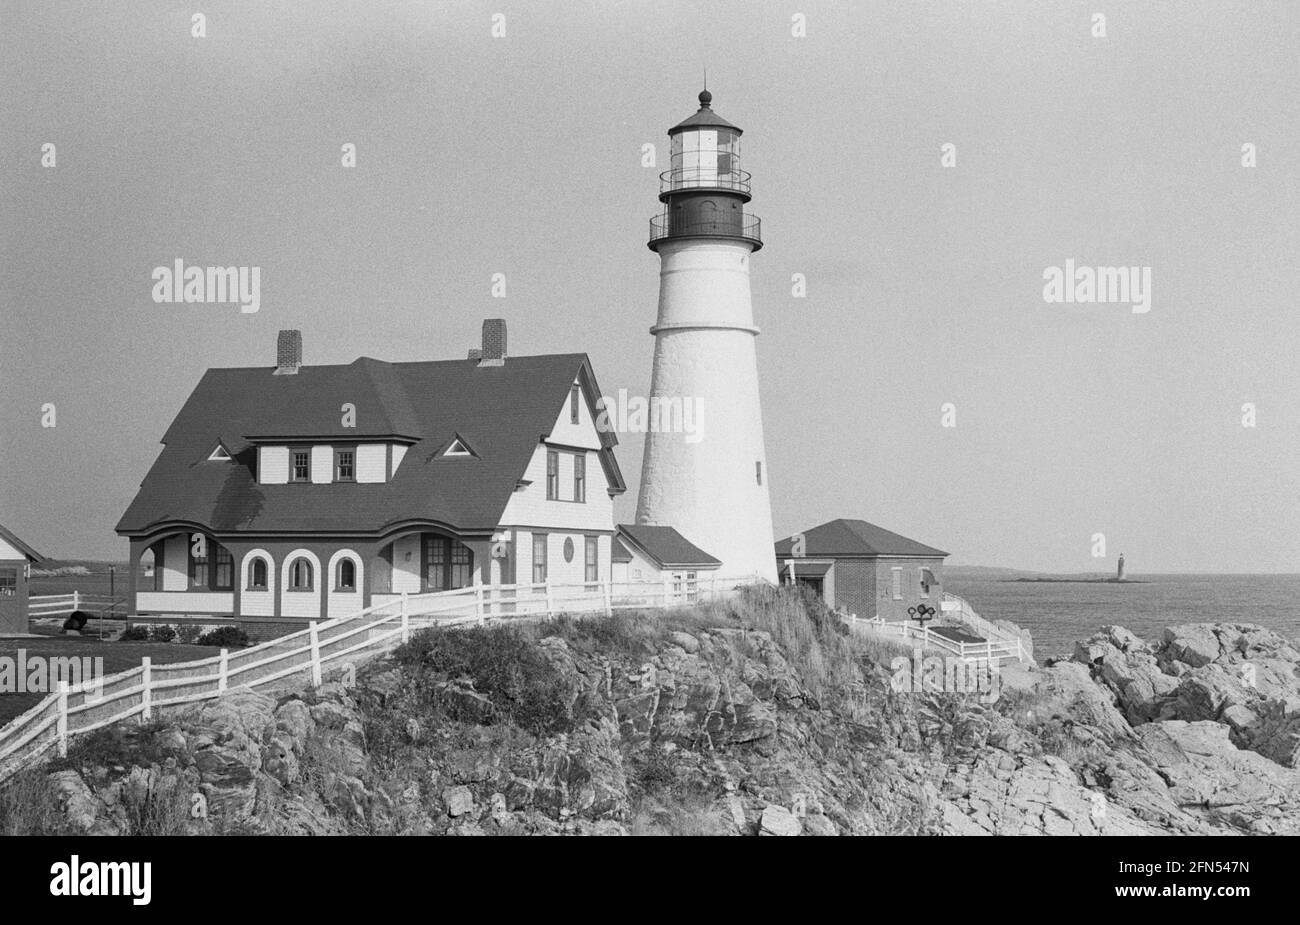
(704, 191)
(704, 154)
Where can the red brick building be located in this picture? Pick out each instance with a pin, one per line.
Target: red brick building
(863, 569)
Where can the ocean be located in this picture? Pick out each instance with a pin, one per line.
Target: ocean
(1058, 615)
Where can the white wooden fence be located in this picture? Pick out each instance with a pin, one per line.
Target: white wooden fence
(990, 649)
(56, 605)
(142, 691)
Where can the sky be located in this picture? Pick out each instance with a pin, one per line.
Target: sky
(522, 154)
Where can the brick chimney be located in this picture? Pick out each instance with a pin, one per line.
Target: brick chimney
(475, 353)
(288, 353)
(494, 342)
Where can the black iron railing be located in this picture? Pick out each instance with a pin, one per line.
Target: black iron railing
(728, 225)
(703, 178)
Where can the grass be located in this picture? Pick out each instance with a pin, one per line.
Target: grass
(28, 807)
(117, 656)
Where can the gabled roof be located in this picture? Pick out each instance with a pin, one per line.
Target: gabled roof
(618, 552)
(856, 538)
(19, 545)
(501, 411)
(665, 547)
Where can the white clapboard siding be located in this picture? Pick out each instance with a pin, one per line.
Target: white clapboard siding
(372, 458)
(273, 465)
(322, 464)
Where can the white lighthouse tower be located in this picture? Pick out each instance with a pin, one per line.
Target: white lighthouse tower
(711, 485)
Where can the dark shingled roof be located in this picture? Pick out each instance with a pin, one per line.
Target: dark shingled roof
(618, 552)
(501, 411)
(856, 538)
(666, 547)
(22, 547)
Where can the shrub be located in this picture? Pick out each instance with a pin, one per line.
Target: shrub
(504, 664)
(225, 637)
(163, 633)
(189, 634)
(76, 620)
(137, 633)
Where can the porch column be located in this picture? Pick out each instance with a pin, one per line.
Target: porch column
(138, 548)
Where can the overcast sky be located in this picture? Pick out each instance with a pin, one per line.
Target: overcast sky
(522, 155)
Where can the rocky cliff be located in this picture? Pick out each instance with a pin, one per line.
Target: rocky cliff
(761, 717)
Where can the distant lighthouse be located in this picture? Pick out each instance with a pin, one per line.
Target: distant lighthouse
(1119, 569)
(711, 486)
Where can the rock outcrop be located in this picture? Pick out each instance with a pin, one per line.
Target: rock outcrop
(722, 730)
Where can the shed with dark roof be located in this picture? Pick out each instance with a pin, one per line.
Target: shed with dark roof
(863, 569)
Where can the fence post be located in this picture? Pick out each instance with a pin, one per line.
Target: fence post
(1020, 651)
(478, 599)
(550, 597)
(406, 620)
(223, 676)
(667, 589)
(608, 594)
(315, 655)
(988, 651)
(76, 600)
(146, 695)
(63, 719)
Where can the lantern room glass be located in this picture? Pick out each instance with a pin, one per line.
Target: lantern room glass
(707, 158)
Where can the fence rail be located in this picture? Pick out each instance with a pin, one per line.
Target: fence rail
(56, 605)
(998, 643)
(90, 705)
(987, 649)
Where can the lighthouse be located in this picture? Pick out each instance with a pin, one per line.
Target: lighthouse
(710, 485)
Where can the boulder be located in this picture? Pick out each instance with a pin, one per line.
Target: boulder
(777, 820)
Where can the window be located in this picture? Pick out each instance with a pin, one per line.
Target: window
(345, 465)
(435, 563)
(574, 393)
(198, 561)
(257, 572)
(552, 475)
(927, 582)
(896, 576)
(568, 549)
(462, 566)
(224, 579)
(539, 558)
(300, 575)
(580, 478)
(220, 454)
(758, 471)
(8, 582)
(301, 465)
(448, 564)
(346, 579)
(591, 551)
(458, 448)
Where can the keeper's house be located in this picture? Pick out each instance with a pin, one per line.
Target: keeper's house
(299, 493)
(863, 569)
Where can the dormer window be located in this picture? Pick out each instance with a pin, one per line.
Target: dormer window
(458, 448)
(345, 465)
(220, 454)
(301, 466)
